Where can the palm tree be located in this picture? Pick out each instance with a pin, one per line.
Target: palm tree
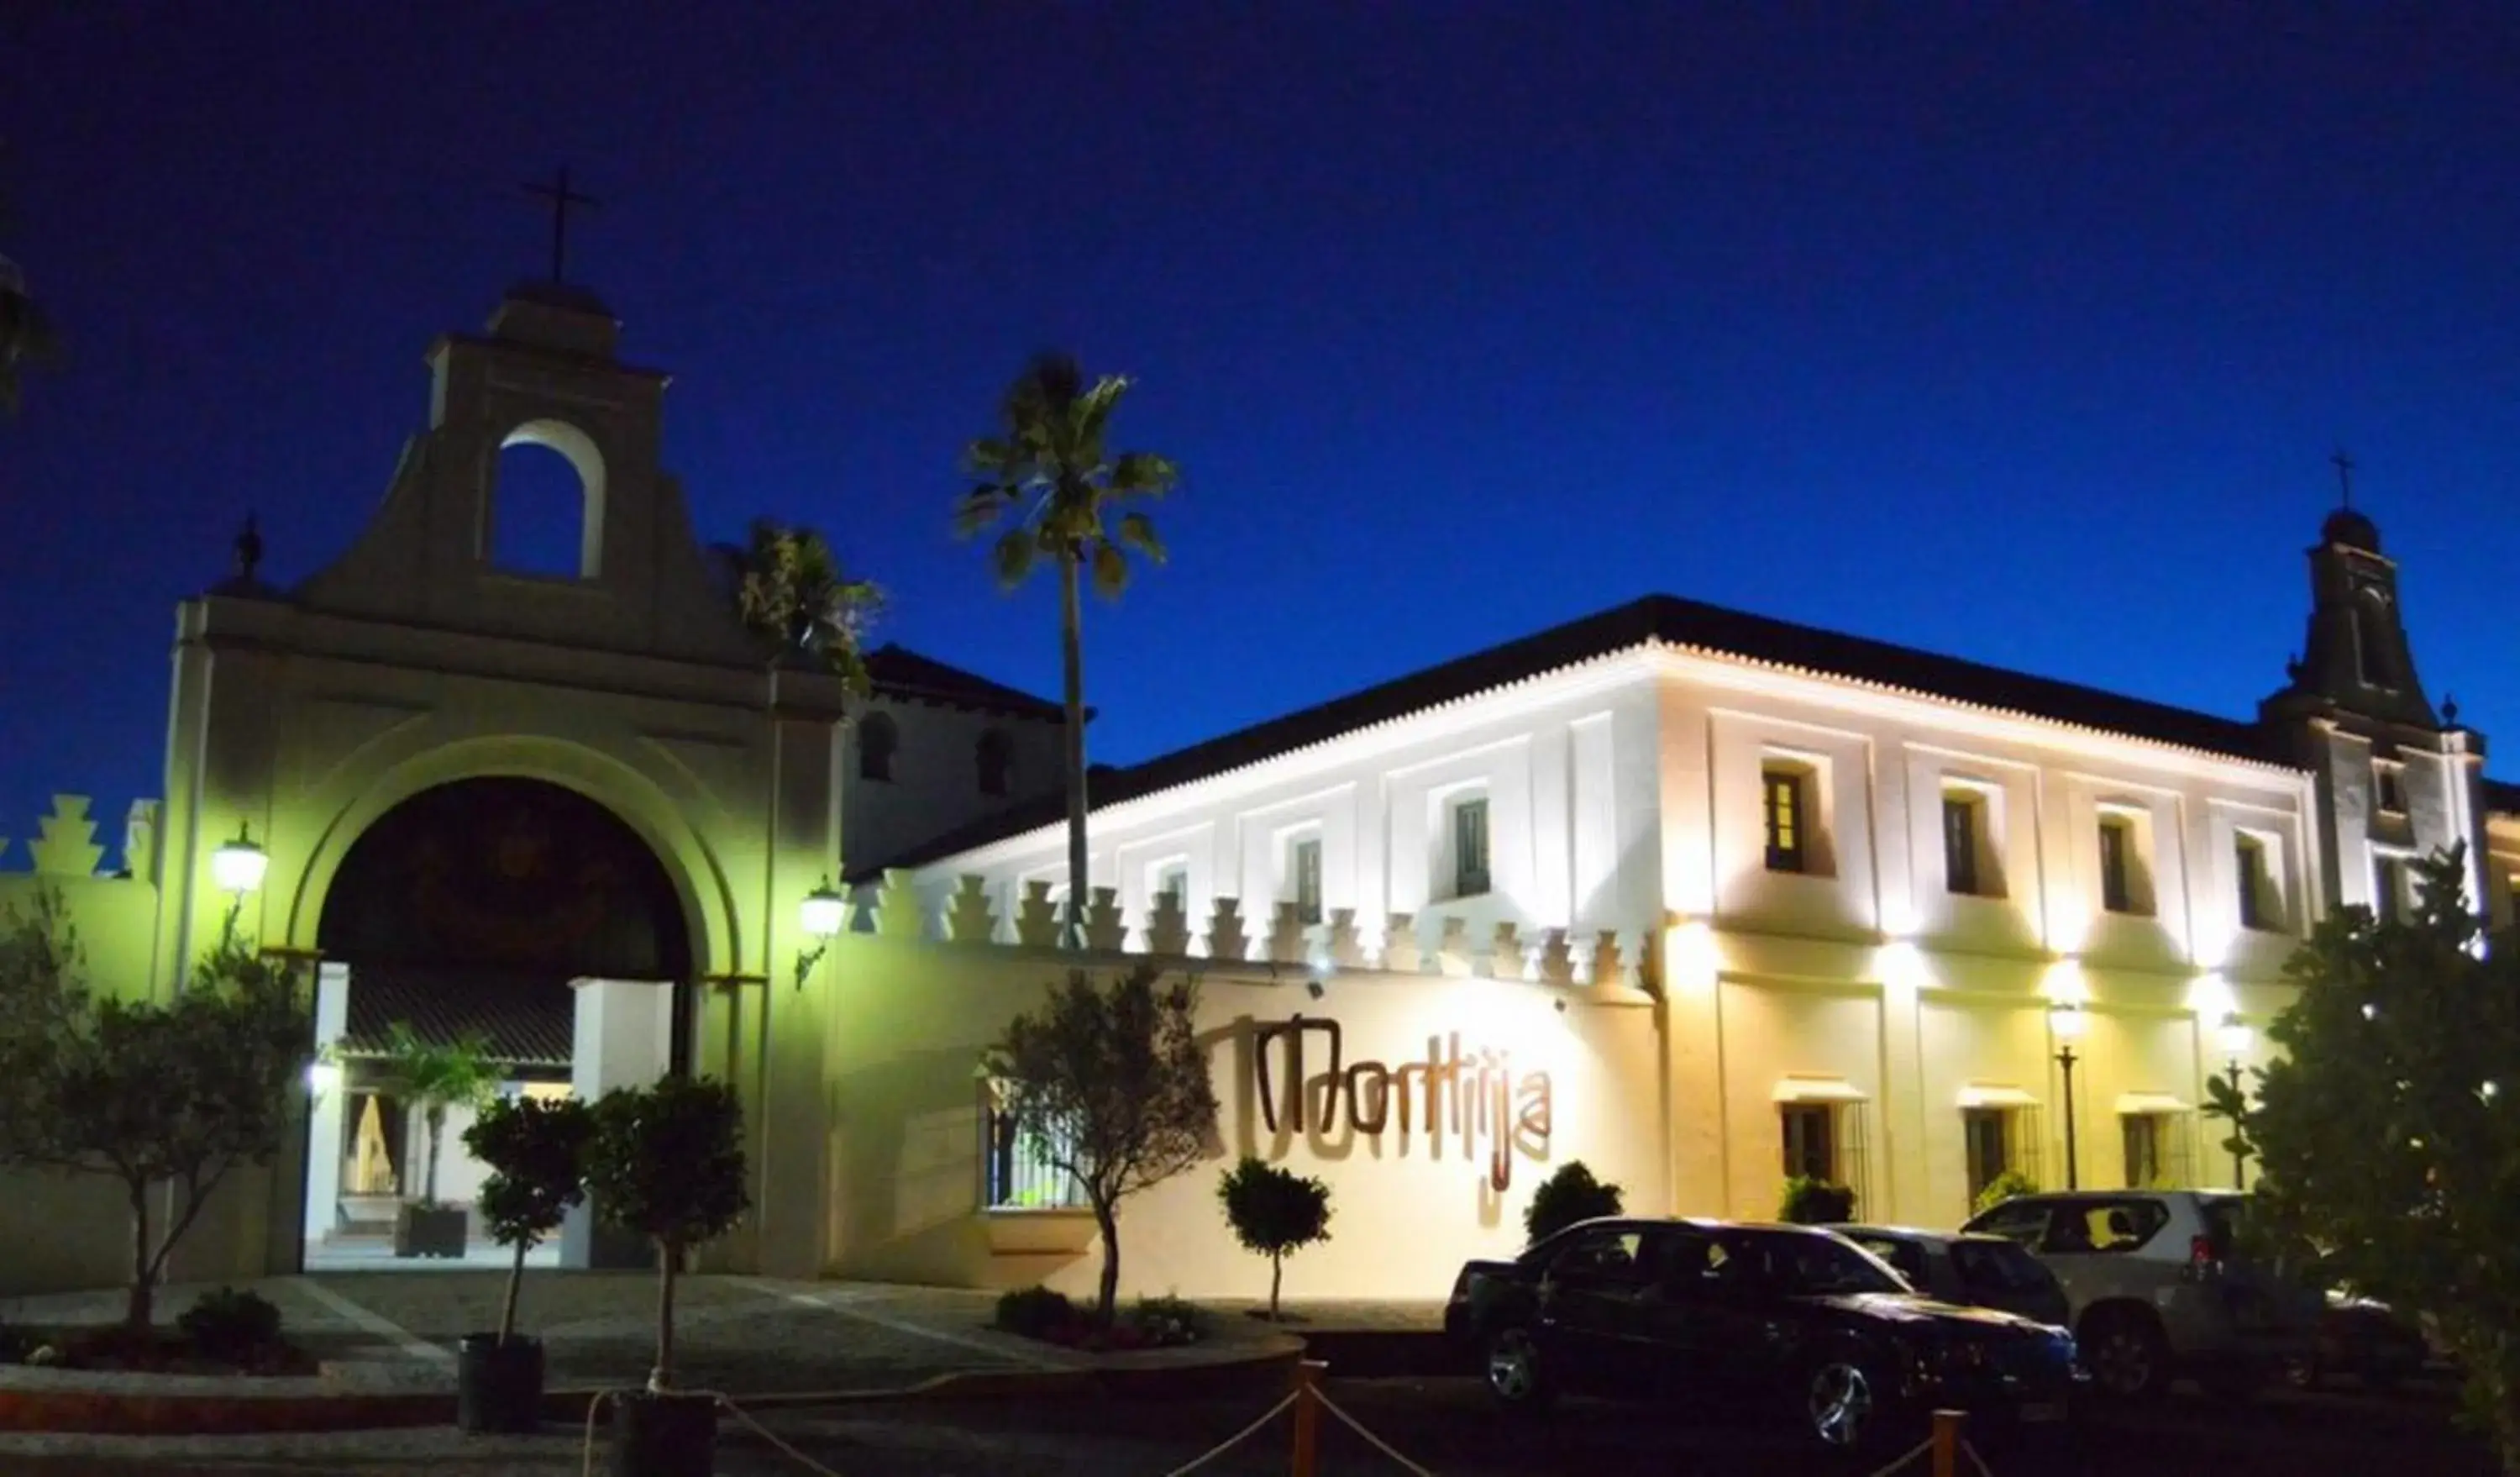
(1047, 475)
(790, 589)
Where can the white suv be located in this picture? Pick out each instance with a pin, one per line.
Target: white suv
(2158, 1289)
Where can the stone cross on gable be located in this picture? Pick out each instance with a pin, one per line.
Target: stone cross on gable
(562, 197)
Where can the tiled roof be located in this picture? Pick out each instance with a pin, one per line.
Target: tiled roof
(1663, 618)
(899, 672)
(529, 1021)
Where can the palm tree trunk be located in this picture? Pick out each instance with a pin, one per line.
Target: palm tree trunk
(1074, 659)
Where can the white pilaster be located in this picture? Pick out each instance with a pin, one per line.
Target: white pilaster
(324, 1124)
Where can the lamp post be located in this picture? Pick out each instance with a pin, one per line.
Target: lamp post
(2066, 1023)
(823, 915)
(238, 867)
(2233, 1037)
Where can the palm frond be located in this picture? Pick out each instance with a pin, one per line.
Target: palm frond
(981, 506)
(1110, 569)
(1138, 531)
(1014, 555)
(1144, 473)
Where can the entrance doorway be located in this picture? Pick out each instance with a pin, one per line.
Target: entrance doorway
(462, 915)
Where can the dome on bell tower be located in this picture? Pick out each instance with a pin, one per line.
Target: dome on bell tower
(2351, 530)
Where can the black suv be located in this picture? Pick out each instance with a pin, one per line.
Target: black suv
(1794, 1317)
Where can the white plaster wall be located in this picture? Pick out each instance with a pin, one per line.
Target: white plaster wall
(1565, 763)
(935, 783)
(912, 1020)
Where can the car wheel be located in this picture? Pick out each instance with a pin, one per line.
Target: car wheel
(1513, 1371)
(2129, 1359)
(1840, 1405)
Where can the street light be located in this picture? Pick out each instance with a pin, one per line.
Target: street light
(823, 915)
(2066, 1024)
(2233, 1036)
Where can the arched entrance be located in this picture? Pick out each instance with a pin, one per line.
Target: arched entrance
(467, 910)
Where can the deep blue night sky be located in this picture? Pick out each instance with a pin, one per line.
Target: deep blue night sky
(2022, 340)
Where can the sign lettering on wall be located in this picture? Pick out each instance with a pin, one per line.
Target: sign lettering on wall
(1474, 1097)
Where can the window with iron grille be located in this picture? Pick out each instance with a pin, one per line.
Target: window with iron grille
(1988, 1134)
(1810, 1139)
(1022, 1171)
(2155, 1150)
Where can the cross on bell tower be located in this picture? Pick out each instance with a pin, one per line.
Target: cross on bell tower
(2344, 466)
(562, 197)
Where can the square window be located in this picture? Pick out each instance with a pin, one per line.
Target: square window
(2145, 1140)
(1304, 878)
(1172, 881)
(1788, 817)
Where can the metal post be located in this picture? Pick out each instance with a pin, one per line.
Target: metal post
(1947, 1442)
(1307, 1416)
(2072, 1169)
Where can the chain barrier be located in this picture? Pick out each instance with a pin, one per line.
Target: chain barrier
(1378, 1444)
(1233, 1441)
(1976, 1461)
(1920, 1448)
(724, 1402)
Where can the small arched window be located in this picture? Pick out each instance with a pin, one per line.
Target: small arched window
(877, 739)
(996, 762)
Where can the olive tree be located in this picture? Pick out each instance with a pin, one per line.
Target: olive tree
(1110, 1085)
(160, 1096)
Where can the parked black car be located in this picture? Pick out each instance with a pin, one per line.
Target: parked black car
(1958, 1267)
(1794, 1317)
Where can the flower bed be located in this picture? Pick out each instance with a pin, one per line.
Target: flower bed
(224, 1334)
(1158, 1322)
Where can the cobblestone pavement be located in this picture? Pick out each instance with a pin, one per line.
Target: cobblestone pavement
(1444, 1424)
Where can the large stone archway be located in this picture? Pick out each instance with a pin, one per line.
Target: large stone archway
(466, 911)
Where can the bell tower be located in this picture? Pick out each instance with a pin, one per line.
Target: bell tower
(544, 373)
(2396, 780)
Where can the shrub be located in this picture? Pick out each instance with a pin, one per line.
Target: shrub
(1567, 1196)
(2003, 1187)
(1274, 1211)
(1035, 1311)
(1166, 1322)
(230, 1325)
(1815, 1202)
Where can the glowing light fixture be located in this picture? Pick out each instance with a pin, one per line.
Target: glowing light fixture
(2068, 1021)
(238, 866)
(323, 1077)
(824, 913)
(2233, 1037)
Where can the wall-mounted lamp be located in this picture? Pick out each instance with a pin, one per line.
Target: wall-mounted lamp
(823, 915)
(238, 866)
(323, 1078)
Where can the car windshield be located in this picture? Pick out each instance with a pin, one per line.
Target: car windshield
(1803, 1264)
(1999, 1266)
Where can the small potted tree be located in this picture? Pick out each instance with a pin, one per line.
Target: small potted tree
(434, 1078)
(1274, 1211)
(536, 1151)
(667, 1162)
